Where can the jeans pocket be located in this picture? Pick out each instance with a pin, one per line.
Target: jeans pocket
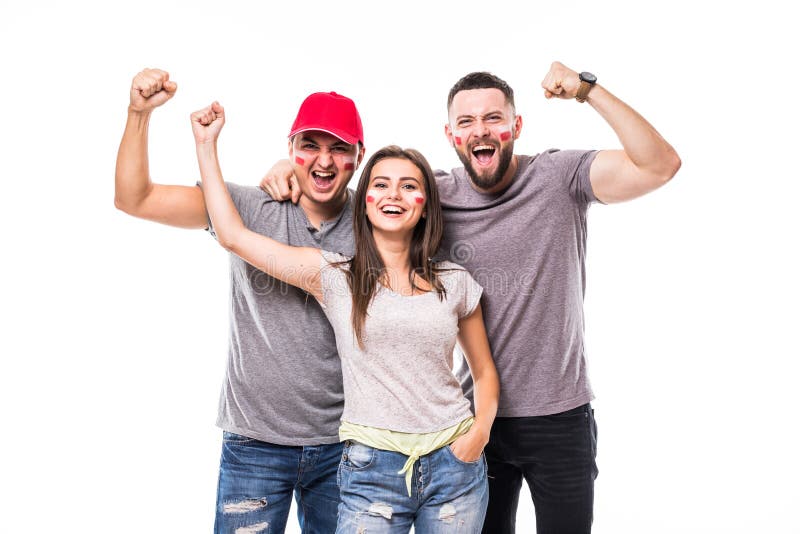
(230, 437)
(449, 451)
(357, 456)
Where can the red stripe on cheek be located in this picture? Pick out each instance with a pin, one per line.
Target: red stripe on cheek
(505, 136)
(370, 198)
(458, 141)
(299, 160)
(349, 166)
(419, 200)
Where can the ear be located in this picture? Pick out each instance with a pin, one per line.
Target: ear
(290, 148)
(448, 132)
(517, 126)
(360, 157)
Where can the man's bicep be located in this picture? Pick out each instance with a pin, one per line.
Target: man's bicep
(176, 205)
(614, 178)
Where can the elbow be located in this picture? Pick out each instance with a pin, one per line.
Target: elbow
(123, 206)
(672, 164)
(227, 242)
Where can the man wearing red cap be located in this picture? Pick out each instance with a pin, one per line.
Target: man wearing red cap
(282, 396)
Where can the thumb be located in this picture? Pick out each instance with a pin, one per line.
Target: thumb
(216, 107)
(170, 87)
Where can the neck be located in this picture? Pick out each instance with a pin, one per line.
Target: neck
(395, 253)
(317, 212)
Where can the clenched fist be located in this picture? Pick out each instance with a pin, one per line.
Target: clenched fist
(150, 89)
(207, 123)
(561, 82)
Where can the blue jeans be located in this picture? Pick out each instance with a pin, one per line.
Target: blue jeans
(447, 494)
(257, 481)
(555, 454)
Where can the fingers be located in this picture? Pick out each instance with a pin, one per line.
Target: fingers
(560, 81)
(295, 189)
(150, 81)
(151, 88)
(208, 114)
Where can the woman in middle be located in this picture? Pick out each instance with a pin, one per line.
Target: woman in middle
(413, 449)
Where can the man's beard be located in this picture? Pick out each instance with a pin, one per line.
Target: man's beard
(488, 181)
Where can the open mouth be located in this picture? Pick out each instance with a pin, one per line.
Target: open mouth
(392, 210)
(323, 180)
(483, 153)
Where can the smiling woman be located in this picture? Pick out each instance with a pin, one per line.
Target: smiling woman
(408, 412)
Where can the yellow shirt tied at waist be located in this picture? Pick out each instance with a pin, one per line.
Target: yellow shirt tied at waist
(412, 445)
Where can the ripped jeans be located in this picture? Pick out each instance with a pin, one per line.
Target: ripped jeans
(257, 481)
(447, 494)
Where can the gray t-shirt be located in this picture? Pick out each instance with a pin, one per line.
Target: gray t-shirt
(283, 383)
(403, 379)
(527, 246)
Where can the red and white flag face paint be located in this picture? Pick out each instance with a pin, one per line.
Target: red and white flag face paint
(457, 137)
(348, 162)
(301, 156)
(418, 197)
(372, 194)
(504, 132)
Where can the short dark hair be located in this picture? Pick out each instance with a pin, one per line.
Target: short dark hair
(481, 80)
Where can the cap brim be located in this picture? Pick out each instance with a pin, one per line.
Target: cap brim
(350, 140)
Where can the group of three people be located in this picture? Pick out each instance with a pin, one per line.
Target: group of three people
(340, 386)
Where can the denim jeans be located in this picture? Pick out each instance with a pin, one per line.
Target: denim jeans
(556, 456)
(257, 481)
(447, 494)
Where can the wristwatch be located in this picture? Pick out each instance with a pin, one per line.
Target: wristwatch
(587, 82)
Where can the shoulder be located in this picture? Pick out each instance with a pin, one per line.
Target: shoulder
(451, 274)
(557, 158)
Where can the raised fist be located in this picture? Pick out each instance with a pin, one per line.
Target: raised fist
(151, 88)
(207, 123)
(561, 82)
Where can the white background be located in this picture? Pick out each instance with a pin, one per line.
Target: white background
(114, 329)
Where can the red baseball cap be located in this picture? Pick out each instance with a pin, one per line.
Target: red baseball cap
(332, 113)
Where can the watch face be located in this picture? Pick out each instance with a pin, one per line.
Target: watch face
(587, 77)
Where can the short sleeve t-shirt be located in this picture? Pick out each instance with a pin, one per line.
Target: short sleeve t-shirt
(402, 380)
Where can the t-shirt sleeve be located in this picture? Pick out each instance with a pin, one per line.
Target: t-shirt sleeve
(575, 166)
(469, 293)
(247, 199)
(333, 278)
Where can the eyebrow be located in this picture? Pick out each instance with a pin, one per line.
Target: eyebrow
(401, 178)
(495, 112)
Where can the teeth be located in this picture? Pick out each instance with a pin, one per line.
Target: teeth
(392, 209)
(483, 147)
(323, 174)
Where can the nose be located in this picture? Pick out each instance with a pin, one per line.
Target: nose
(325, 159)
(481, 128)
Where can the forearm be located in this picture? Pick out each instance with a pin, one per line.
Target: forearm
(487, 392)
(643, 145)
(132, 177)
(227, 222)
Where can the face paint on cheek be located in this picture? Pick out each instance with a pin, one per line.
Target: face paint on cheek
(299, 160)
(457, 137)
(349, 163)
(418, 198)
(371, 194)
(504, 132)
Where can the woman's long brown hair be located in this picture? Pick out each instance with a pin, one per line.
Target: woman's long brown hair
(367, 269)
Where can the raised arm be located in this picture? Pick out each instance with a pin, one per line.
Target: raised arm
(299, 266)
(134, 193)
(646, 161)
(475, 345)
